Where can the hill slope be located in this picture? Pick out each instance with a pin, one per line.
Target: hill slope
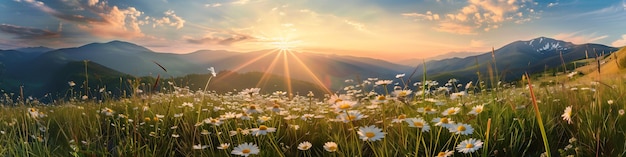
(513, 60)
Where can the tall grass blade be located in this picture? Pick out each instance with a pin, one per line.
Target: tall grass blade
(538, 116)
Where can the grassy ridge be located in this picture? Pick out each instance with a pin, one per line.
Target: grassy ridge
(177, 120)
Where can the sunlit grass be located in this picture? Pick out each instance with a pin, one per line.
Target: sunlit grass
(183, 122)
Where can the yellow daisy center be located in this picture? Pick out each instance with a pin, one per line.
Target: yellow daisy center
(246, 151)
(418, 124)
(252, 107)
(478, 110)
(441, 154)
(351, 117)
(401, 116)
(401, 94)
(461, 128)
(344, 106)
(382, 97)
(262, 127)
(276, 106)
(332, 148)
(369, 134)
(428, 109)
(450, 112)
(444, 120)
(469, 145)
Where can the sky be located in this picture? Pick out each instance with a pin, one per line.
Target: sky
(386, 29)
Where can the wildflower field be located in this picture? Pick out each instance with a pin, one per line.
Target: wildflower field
(366, 118)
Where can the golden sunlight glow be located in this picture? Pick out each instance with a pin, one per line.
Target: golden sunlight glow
(284, 44)
(266, 75)
(287, 74)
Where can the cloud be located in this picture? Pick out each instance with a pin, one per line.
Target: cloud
(428, 16)
(92, 2)
(497, 9)
(170, 19)
(28, 33)
(240, 2)
(356, 25)
(213, 5)
(576, 38)
(484, 15)
(220, 39)
(477, 43)
(60, 28)
(28, 36)
(456, 28)
(111, 21)
(553, 4)
(620, 42)
(68, 17)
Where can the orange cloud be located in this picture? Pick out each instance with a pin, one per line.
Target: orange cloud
(456, 28)
(428, 16)
(170, 19)
(576, 38)
(485, 15)
(620, 42)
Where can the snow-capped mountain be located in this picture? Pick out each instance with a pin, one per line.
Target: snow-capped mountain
(546, 45)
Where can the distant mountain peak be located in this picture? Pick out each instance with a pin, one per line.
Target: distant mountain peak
(117, 44)
(545, 44)
(39, 49)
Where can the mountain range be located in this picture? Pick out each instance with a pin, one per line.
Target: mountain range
(514, 59)
(417, 61)
(40, 68)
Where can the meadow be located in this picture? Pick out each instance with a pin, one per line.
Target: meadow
(367, 118)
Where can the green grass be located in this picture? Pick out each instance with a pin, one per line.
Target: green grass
(159, 125)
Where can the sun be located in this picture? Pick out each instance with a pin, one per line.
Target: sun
(284, 44)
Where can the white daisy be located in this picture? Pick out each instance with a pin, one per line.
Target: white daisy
(343, 105)
(252, 109)
(427, 109)
(199, 146)
(331, 146)
(306, 145)
(418, 123)
(463, 129)
(451, 111)
(337, 98)
(469, 145)
(400, 119)
(262, 130)
(567, 114)
(444, 122)
(457, 95)
(245, 149)
(383, 82)
(213, 121)
(353, 115)
(380, 99)
(477, 109)
(371, 133)
(263, 119)
(447, 153)
(224, 146)
(401, 93)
